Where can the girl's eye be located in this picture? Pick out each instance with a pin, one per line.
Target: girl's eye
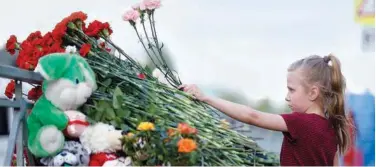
(77, 81)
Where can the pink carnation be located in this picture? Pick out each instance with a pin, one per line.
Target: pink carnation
(150, 4)
(131, 15)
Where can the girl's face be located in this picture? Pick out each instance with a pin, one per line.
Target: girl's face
(297, 97)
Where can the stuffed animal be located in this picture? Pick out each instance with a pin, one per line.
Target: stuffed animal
(102, 140)
(73, 154)
(122, 161)
(76, 125)
(69, 81)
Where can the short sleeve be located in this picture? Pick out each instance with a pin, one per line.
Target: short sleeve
(294, 123)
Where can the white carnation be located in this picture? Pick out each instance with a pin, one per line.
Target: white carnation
(71, 49)
(160, 76)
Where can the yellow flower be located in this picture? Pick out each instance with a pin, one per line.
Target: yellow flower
(146, 126)
(225, 124)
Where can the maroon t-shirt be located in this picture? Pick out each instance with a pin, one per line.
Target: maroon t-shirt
(310, 141)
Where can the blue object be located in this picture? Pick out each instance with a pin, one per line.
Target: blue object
(363, 109)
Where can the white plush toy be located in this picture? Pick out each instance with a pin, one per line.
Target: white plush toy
(103, 141)
(119, 162)
(76, 125)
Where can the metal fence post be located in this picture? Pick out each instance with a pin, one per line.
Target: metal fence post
(12, 137)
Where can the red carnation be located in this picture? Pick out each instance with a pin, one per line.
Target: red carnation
(103, 45)
(141, 76)
(26, 47)
(11, 87)
(93, 29)
(33, 36)
(106, 25)
(107, 31)
(59, 31)
(35, 93)
(11, 45)
(85, 49)
(26, 52)
(48, 39)
(77, 16)
(96, 27)
(37, 53)
(56, 48)
(78, 19)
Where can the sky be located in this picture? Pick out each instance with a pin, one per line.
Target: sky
(243, 45)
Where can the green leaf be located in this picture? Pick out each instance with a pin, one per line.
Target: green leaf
(124, 127)
(160, 157)
(98, 115)
(90, 120)
(148, 70)
(152, 108)
(117, 98)
(89, 111)
(193, 157)
(123, 112)
(102, 108)
(151, 161)
(102, 89)
(107, 82)
(114, 123)
(110, 114)
(118, 121)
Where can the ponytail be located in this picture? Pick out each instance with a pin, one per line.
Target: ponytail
(336, 107)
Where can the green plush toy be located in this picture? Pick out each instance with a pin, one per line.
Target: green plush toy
(69, 81)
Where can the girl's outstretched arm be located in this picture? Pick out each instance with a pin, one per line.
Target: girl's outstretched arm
(248, 115)
(240, 112)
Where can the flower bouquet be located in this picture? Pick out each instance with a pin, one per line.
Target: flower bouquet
(166, 126)
(150, 145)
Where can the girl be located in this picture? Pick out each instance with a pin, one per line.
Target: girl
(314, 133)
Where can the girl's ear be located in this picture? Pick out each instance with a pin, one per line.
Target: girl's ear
(313, 93)
(53, 66)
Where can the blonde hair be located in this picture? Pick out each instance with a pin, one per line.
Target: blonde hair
(332, 84)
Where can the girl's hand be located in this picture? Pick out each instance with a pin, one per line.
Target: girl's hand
(194, 91)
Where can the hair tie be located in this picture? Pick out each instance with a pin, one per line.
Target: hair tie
(326, 59)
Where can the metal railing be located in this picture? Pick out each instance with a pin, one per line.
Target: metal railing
(18, 132)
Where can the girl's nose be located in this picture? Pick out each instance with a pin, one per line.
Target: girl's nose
(287, 99)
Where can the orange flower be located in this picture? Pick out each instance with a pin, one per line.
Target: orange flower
(186, 145)
(171, 132)
(186, 129)
(130, 134)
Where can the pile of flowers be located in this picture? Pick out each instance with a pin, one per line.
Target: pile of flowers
(159, 117)
(150, 145)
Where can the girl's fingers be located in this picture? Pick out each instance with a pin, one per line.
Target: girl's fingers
(182, 86)
(189, 90)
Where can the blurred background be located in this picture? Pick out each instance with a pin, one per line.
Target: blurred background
(238, 50)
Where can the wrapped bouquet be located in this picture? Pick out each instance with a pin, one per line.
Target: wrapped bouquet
(164, 125)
